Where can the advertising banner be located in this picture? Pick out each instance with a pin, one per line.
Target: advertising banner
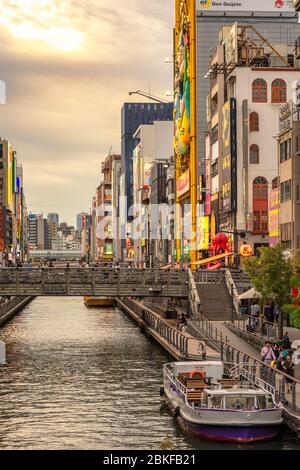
(203, 225)
(183, 184)
(226, 161)
(265, 6)
(274, 217)
(147, 174)
(208, 176)
(2, 231)
(229, 161)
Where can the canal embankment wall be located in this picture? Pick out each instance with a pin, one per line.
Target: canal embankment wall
(10, 308)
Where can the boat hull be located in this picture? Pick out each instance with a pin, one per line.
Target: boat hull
(235, 434)
(94, 302)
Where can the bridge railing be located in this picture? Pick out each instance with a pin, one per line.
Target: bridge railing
(287, 388)
(176, 338)
(203, 276)
(252, 325)
(232, 290)
(93, 281)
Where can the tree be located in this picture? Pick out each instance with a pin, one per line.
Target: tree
(271, 275)
(293, 309)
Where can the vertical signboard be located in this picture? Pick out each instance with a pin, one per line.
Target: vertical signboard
(203, 225)
(9, 175)
(233, 152)
(229, 158)
(274, 217)
(226, 159)
(2, 231)
(207, 176)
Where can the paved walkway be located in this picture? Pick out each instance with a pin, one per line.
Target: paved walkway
(236, 341)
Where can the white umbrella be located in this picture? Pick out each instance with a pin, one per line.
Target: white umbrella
(250, 294)
(296, 344)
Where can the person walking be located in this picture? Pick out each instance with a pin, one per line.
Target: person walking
(286, 342)
(267, 311)
(267, 354)
(288, 367)
(254, 312)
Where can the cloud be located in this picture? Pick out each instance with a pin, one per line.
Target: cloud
(63, 103)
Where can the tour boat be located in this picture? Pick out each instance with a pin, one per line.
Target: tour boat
(99, 302)
(221, 406)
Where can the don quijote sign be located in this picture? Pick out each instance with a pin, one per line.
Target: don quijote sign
(267, 6)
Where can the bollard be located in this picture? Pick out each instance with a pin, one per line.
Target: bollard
(2, 353)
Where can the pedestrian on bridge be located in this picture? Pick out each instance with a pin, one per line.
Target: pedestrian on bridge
(267, 354)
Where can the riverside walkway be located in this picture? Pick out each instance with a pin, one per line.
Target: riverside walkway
(181, 346)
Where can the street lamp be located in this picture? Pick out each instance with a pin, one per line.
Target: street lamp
(148, 95)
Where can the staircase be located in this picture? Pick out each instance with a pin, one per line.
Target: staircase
(241, 279)
(215, 301)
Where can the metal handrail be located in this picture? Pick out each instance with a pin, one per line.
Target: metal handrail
(174, 337)
(232, 289)
(252, 325)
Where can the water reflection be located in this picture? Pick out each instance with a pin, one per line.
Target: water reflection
(86, 379)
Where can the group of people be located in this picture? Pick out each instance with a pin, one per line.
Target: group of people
(279, 355)
(182, 322)
(260, 319)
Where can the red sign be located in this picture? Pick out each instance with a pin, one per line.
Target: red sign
(246, 251)
(2, 231)
(183, 184)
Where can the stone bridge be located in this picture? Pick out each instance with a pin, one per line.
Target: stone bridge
(93, 282)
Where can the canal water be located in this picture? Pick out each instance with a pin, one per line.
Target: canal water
(80, 378)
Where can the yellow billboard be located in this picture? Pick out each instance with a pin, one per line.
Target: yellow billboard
(9, 175)
(203, 231)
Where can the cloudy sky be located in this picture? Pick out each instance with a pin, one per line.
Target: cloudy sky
(68, 66)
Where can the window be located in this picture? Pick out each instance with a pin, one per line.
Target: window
(279, 91)
(240, 403)
(260, 206)
(285, 151)
(254, 122)
(259, 91)
(286, 234)
(254, 154)
(286, 191)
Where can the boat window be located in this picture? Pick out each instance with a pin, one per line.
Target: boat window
(240, 403)
(262, 403)
(204, 399)
(217, 402)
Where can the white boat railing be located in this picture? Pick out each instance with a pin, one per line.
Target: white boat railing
(254, 374)
(179, 386)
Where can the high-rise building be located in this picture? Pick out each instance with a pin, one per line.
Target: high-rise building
(38, 233)
(241, 149)
(105, 237)
(53, 217)
(155, 144)
(12, 205)
(133, 115)
(288, 191)
(197, 33)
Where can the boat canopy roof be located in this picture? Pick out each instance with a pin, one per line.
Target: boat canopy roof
(236, 391)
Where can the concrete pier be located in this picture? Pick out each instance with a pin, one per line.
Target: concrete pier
(13, 306)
